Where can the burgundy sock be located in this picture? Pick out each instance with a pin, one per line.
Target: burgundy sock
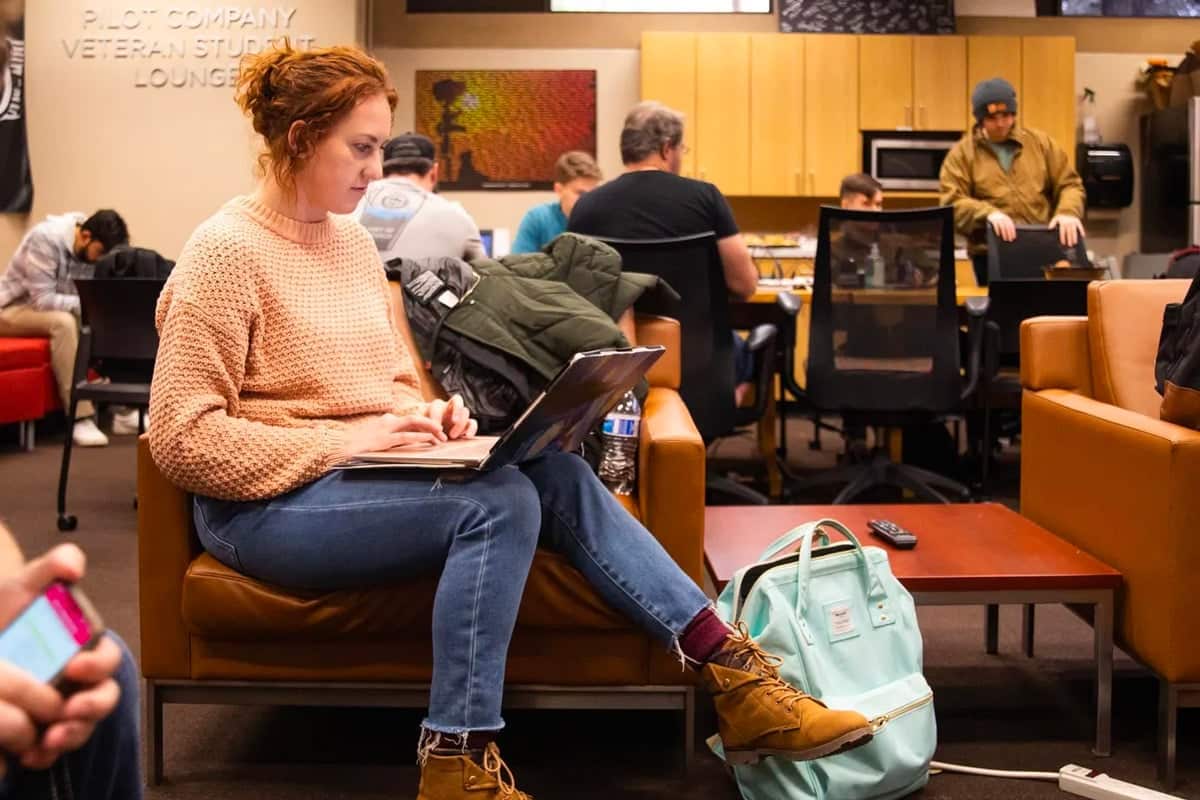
(473, 743)
(703, 636)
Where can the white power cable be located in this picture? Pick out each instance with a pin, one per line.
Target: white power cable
(994, 773)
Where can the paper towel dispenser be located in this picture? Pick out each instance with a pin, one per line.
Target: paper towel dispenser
(1107, 172)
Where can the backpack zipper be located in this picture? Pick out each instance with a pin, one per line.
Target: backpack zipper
(879, 722)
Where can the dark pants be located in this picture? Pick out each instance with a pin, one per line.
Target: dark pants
(107, 767)
(980, 262)
(743, 360)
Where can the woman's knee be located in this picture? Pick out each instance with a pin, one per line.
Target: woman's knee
(508, 498)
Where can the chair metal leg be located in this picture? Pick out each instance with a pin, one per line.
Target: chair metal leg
(935, 481)
(154, 735)
(867, 478)
(906, 478)
(689, 731)
(1028, 619)
(1168, 712)
(26, 435)
(66, 522)
(720, 483)
(991, 630)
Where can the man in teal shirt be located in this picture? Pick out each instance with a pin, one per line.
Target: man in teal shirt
(575, 173)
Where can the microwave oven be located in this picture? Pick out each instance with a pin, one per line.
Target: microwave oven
(907, 160)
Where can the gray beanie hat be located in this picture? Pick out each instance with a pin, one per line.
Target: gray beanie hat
(992, 96)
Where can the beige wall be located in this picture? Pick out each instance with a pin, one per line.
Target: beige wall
(616, 91)
(165, 158)
(1119, 103)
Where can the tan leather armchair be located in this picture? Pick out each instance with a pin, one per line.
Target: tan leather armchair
(211, 635)
(1101, 470)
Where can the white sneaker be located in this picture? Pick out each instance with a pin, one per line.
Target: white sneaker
(126, 424)
(86, 434)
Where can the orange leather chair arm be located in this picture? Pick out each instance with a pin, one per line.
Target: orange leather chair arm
(1122, 486)
(663, 331)
(671, 479)
(166, 547)
(1054, 354)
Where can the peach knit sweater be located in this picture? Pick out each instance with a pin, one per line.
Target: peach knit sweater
(274, 335)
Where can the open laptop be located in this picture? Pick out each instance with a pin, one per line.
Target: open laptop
(558, 420)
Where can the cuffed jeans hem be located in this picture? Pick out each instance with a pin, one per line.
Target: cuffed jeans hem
(458, 730)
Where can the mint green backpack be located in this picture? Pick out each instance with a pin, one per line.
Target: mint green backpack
(847, 633)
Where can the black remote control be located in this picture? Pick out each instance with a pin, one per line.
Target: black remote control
(893, 534)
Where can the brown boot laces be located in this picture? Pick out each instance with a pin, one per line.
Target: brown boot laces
(745, 651)
(495, 766)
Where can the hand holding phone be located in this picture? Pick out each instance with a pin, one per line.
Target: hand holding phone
(47, 628)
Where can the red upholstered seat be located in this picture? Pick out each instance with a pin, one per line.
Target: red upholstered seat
(27, 388)
(24, 352)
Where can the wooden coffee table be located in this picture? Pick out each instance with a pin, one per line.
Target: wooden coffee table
(970, 554)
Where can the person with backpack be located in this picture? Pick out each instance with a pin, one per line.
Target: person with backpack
(280, 357)
(38, 298)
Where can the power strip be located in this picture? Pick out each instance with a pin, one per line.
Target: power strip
(1098, 786)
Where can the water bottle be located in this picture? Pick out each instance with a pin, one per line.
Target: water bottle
(619, 437)
(876, 266)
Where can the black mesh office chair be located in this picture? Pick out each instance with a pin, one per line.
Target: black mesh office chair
(692, 266)
(884, 337)
(118, 329)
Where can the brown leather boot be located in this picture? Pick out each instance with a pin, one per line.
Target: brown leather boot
(758, 714)
(452, 777)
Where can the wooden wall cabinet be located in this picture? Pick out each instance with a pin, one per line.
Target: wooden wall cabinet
(722, 122)
(832, 143)
(779, 115)
(911, 82)
(1048, 101)
(669, 76)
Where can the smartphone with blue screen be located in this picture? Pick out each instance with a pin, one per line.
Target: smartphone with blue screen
(50, 631)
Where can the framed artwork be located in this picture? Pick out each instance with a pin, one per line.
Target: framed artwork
(875, 16)
(504, 129)
(16, 183)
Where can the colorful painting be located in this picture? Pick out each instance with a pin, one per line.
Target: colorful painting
(504, 129)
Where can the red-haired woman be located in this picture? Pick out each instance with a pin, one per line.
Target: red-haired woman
(279, 358)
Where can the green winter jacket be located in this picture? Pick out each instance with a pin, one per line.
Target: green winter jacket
(542, 308)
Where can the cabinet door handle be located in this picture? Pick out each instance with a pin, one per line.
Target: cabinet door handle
(924, 118)
(812, 182)
(908, 116)
(799, 182)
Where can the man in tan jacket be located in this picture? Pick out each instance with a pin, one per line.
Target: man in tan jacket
(1002, 175)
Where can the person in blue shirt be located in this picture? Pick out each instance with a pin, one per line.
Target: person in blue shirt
(575, 174)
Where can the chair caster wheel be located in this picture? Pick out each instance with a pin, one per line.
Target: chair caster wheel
(67, 522)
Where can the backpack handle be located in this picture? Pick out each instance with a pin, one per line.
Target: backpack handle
(878, 606)
(790, 538)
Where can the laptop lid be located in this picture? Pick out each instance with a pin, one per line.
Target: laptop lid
(558, 419)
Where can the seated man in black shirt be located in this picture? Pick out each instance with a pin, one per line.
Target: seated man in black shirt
(650, 200)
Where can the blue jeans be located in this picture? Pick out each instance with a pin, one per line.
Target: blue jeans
(357, 528)
(107, 767)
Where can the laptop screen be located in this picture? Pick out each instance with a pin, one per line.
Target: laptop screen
(488, 239)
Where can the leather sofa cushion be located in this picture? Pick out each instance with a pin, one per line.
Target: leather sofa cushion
(1124, 323)
(220, 603)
